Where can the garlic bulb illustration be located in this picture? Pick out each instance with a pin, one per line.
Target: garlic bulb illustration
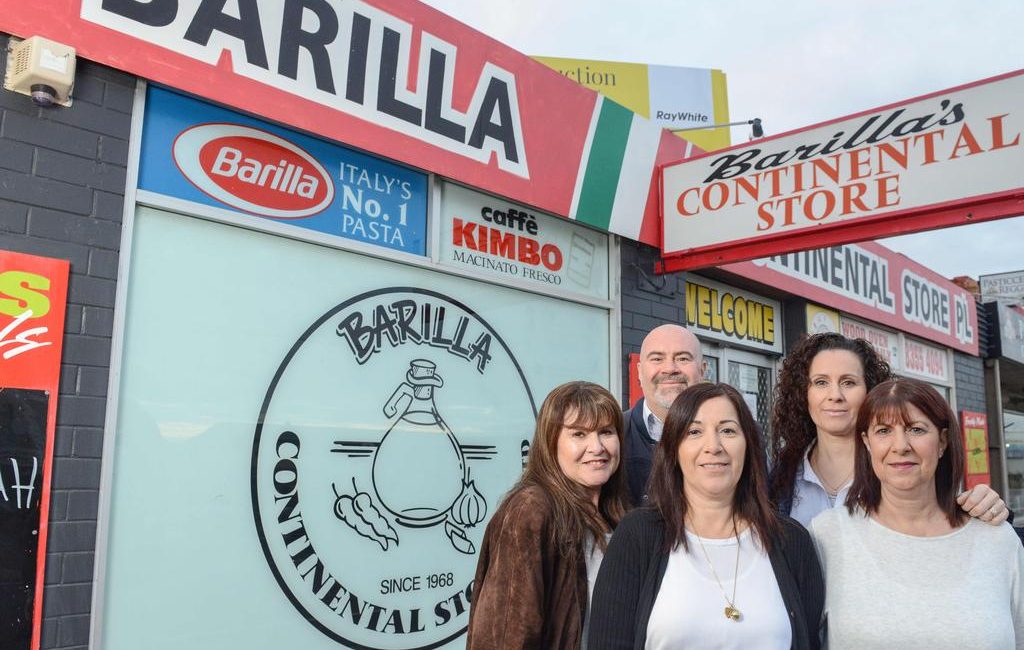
(469, 509)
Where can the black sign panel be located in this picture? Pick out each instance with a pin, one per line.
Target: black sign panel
(22, 448)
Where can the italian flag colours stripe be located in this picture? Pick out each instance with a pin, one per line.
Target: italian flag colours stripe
(616, 188)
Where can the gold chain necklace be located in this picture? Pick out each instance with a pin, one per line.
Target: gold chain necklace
(832, 492)
(731, 612)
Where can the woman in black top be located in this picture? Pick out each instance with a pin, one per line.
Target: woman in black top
(710, 558)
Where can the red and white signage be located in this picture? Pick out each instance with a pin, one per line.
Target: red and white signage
(253, 170)
(33, 299)
(872, 282)
(394, 77)
(949, 158)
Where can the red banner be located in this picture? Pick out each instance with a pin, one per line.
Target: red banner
(33, 296)
(394, 77)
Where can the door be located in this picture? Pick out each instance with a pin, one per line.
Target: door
(752, 374)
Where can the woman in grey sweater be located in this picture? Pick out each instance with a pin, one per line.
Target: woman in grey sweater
(905, 566)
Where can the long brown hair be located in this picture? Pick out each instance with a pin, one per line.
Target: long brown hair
(574, 512)
(792, 428)
(668, 496)
(888, 403)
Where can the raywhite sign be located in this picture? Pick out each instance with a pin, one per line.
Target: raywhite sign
(847, 180)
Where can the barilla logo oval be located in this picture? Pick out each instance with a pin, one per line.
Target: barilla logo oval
(252, 170)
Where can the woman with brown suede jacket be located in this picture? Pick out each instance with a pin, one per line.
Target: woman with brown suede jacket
(542, 548)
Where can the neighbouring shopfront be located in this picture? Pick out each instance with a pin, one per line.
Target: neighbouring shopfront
(1004, 373)
(923, 325)
(741, 337)
(748, 314)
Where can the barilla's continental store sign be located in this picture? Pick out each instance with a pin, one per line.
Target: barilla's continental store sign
(726, 313)
(393, 77)
(494, 237)
(214, 157)
(949, 158)
(875, 283)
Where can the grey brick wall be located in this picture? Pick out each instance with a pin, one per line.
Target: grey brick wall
(648, 300)
(969, 377)
(62, 180)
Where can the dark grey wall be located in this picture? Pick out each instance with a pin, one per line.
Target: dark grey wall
(648, 300)
(62, 180)
(969, 377)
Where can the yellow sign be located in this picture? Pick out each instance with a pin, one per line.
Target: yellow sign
(821, 320)
(977, 459)
(671, 96)
(729, 314)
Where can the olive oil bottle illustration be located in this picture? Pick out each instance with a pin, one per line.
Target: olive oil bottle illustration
(419, 469)
(420, 476)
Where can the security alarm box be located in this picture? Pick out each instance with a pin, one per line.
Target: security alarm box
(42, 69)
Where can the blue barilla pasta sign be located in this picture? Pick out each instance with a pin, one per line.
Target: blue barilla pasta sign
(215, 157)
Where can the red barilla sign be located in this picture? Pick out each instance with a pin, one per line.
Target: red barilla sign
(253, 170)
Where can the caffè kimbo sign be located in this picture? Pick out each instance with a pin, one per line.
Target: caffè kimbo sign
(948, 158)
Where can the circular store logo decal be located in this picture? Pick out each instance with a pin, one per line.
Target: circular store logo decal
(388, 436)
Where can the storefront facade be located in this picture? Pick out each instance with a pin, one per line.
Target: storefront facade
(272, 295)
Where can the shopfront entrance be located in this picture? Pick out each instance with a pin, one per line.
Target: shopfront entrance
(752, 374)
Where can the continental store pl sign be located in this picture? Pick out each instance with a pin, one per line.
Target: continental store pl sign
(877, 284)
(949, 158)
(393, 77)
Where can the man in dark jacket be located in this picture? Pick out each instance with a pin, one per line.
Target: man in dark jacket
(670, 361)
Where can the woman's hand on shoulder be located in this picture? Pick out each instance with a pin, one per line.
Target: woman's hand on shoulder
(983, 503)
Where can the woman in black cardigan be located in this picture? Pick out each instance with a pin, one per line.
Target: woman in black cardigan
(709, 561)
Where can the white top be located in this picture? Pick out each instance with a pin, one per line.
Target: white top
(810, 497)
(593, 555)
(884, 589)
(654, 425)
(689, 611)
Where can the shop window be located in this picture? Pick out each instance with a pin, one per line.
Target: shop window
(304, 431)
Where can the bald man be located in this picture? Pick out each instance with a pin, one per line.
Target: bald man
(670, 361)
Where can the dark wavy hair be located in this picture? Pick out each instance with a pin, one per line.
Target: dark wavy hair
(666, 490)
(887, 403)
(574, 513)
(792, 428)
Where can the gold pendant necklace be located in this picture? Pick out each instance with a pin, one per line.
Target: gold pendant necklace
(731, 612)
